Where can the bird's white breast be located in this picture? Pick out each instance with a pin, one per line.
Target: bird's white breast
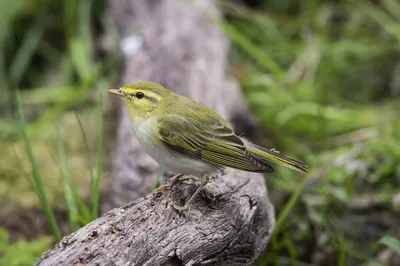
(147, 134)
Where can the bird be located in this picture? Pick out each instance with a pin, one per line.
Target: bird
(190, 138)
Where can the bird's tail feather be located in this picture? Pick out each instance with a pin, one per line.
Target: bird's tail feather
(271, 156)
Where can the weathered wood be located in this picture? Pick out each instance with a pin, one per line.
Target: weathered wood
(234, 227)
(184, 52)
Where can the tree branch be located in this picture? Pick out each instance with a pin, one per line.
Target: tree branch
(234, 226)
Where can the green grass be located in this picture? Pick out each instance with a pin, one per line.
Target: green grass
(157, 182)
(70, 191)
(31, 250)
(392, 243)
(78, 212)
(54, 64)
(52, 55)
(39, 187)
(87, 150)
(96, 184)
(283, 215)
(317, 78)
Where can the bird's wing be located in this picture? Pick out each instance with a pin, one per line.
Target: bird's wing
(211, 140)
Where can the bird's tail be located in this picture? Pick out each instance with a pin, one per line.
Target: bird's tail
(271, 156)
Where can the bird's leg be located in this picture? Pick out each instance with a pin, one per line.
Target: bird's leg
(205, 178)
(172, 182)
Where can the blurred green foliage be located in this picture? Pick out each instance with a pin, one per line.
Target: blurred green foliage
(22, 253)
(55, 48)
(322, 77)
(57, 53)
(391, 242)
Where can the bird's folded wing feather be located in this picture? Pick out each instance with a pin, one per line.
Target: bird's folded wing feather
(215, 142)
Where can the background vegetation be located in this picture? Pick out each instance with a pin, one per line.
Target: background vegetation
(322, 77)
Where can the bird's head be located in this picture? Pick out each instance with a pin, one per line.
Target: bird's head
(144, 98)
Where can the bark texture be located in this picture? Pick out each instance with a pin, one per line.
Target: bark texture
(169, 42)
(232, 226)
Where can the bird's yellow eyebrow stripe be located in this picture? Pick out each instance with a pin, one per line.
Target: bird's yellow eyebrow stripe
(154, 97)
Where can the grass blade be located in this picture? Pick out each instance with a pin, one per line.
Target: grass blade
(290, 205)
(36, 175)
(342, 251)
(157, 182)
(291, 248)
(392, 243)
(70, 191)
(96, 185)
(84, 27)
(87, 150)
(26, 51)
(254, 51)
(80, 59)
(84, 216)
(84, 210)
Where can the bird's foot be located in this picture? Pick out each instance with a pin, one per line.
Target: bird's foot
(176, 179)
(171, 183)
(181, 209)
(205, 180)
(162, 188)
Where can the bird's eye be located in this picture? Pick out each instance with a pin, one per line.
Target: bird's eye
(139, 95)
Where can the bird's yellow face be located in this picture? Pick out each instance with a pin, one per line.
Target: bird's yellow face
(143, 99)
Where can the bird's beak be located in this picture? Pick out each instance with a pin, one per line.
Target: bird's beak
(117, 92)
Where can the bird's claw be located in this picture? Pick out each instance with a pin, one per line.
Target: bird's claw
(175, 180)
(180, 209)
(163, 188)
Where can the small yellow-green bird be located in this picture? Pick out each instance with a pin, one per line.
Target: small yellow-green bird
(189, 138)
